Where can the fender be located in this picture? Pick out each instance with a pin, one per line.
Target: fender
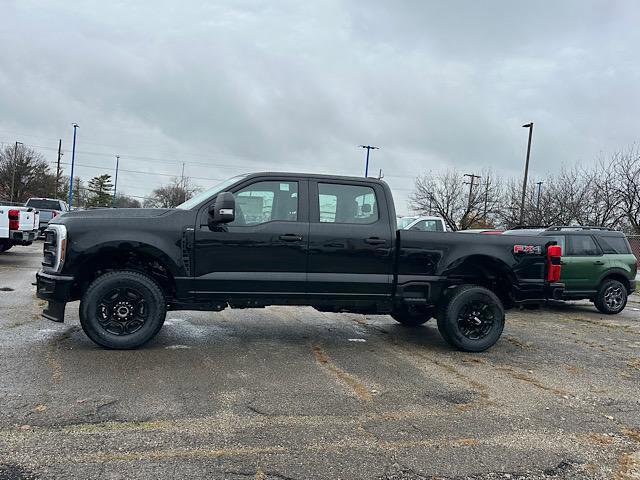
(615, 271)
(159, 235)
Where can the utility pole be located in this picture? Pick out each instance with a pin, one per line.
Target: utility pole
(15, 162)
(526, 171)
(486, 198)
(184, 192)
(366, 165)
(539, 189)
(73, 159)
(115, 185)
(471, 182)
(58, 167)
(78, 196)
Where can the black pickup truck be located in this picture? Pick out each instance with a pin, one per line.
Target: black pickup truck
(287, 239)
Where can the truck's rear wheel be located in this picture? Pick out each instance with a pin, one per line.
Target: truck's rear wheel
(412, 316)
(122, 310)
(611, 297)
(472, 319)
(5, 245)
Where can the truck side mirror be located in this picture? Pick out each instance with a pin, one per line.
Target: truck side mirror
(224, 209)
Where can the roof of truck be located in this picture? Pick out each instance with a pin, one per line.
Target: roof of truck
(315, 175)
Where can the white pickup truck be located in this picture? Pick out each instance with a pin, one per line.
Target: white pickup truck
(18, 226)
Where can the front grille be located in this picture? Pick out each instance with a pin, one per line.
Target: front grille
(49, 249)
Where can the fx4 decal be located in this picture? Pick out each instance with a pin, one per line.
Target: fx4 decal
(531, 249)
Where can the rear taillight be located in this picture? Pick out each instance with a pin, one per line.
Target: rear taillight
(554, 259)
(14, 220)
(54, 213)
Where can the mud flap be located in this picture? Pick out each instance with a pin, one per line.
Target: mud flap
(54, 311)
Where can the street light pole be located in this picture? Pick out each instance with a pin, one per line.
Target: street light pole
(15, 161)
(115, 185)
(73, 159)
(366, 165)
(526, 171)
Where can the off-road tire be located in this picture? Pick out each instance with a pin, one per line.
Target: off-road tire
(132, 283)
(412, 316)
(457, 304)
(611, 297)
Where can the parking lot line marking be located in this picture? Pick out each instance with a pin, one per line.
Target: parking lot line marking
(481, 389)
(339, 446)
(213, 423)
(358, 388)
(529, 379)
(54, 365)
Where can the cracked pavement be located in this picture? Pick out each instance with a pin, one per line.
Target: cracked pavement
(291, 393)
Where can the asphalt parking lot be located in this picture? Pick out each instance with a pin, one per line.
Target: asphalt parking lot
(291, 393)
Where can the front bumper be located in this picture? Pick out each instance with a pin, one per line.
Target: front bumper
(20, 237)
(56, 289)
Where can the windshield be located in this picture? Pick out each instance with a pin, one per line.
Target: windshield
(202, 196)
(43, 204)
(404, 221)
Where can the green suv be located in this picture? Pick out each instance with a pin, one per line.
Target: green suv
(597, 264)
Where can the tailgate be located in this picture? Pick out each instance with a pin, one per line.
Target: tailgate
(26, 221)
(4, 222)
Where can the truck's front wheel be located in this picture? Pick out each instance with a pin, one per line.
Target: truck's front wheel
(472, 319)
(122, 310)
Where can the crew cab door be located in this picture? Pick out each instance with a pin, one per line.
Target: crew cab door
(264, 250)
(583, 263)
(350, 240)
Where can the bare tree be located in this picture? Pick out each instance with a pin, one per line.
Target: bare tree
(445, 194)
(170, 196)
(627, 164)
(125, 201)
(25, 173)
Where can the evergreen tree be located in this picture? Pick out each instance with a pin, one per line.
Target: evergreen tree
(100, 191)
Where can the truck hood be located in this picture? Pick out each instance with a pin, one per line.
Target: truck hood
(116, 213)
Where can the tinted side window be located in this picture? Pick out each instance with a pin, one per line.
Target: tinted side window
(347, 203)
(582, 245)
(263, 202)
(614, 245)
(560, 240)
(428, 226)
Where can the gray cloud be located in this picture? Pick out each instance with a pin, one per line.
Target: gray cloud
(298, 85)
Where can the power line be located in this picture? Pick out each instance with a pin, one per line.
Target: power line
(179, 162)
(138, 171)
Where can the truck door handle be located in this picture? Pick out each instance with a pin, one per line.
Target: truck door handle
(598, 262)
(290, 237)
(375, 241)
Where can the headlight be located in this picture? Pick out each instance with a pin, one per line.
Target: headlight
(55, 247)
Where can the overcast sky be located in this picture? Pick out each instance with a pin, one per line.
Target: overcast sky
(275, 85)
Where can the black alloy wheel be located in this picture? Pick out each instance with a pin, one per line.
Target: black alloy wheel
(476, 319)
(471, 318)
(122, 309)
(611, 297)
